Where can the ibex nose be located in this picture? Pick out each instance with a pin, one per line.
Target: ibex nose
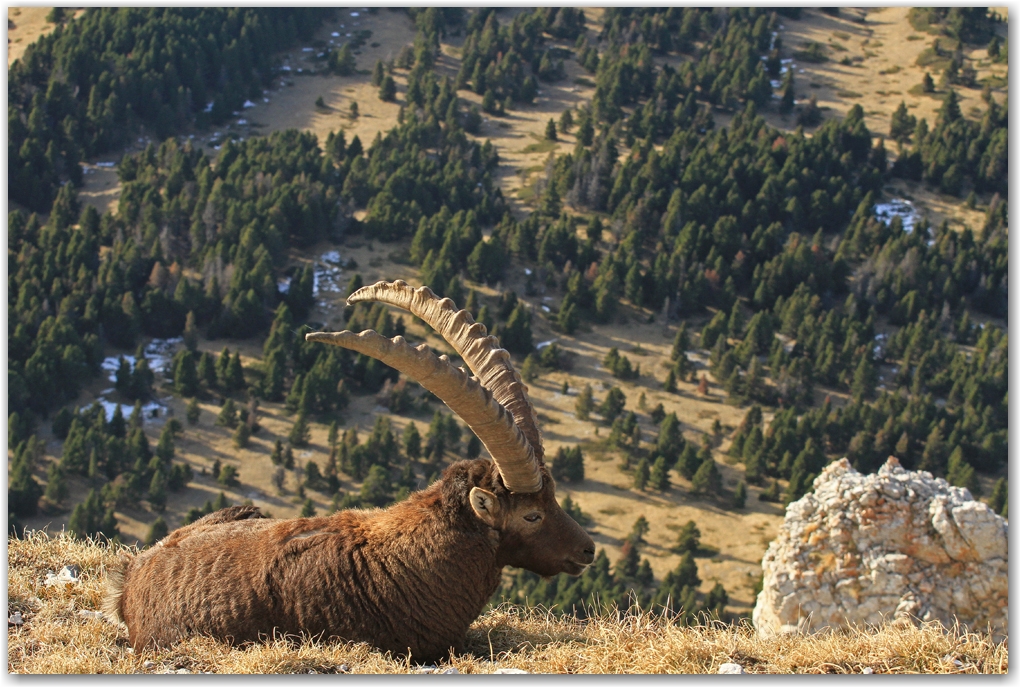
(588, 555)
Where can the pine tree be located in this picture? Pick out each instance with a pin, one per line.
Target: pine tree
(529, 370)
(228, 415)
(334, 432)
(787, 101)
(1000, 497)
(740, 495)
(191, 332)
(670, 384)
(707, 479)
(863, 386)
(689, 462)
(207, 370)
(412, 441)
(566, 121)
(736, 323)
(959, 472)
(157, 490)
(228, 476)
(234, 374)
(934, 457)
(687, 571)
(927, 84)
(612, 405)
(288, 457)
(641, 474)
(193, 412)
(516, 335)
(300, 432)
(681, 342)
(585, 403)
(474, 447)
(165, 446)
(376, 488)
(388, 89)
(308, 509)
(550, 130)
(242, 435)
(688, 539)
(659, 476)
(157, 531)
(56, 484)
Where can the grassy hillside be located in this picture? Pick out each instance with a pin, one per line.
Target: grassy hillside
(60, 634)
(734, 539)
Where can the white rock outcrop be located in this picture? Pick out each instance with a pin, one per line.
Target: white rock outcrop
(899, 544)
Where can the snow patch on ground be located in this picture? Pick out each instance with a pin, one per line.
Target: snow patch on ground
(897, 207)
(159, 354)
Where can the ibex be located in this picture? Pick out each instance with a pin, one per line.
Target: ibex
(408, 579)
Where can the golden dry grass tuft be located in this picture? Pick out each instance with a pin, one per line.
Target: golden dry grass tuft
(57, 637)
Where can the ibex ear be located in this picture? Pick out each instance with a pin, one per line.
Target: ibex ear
(485, 505)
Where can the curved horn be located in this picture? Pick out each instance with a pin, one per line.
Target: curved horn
(475, 404)
(482, 353)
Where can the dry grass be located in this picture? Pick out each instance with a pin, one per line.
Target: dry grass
(57, 638)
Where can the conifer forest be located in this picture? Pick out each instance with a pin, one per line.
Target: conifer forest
(715, 275)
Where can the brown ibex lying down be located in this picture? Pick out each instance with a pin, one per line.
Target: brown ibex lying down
(410, 578)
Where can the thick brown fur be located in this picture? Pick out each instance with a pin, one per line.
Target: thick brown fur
(408, 579)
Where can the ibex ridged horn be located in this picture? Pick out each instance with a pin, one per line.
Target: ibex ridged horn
(464, 395)
(482, 353)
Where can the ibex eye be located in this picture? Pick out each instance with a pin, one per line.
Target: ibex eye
(533, 517)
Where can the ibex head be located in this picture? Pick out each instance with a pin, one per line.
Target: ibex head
(514, 495)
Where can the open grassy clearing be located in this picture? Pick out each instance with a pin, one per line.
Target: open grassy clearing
(883, 50)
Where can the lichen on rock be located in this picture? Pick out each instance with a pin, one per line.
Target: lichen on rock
(898, 545)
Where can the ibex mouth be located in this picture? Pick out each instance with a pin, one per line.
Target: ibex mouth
(573, 568)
